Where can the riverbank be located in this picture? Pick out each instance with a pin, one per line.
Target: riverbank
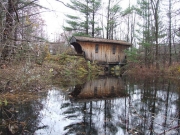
(39, 115)
(171, 72)
(27, 78)
(28, 81)
(64, 71)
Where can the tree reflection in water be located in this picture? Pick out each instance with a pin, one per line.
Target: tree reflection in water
(107, 106)
(20, 118)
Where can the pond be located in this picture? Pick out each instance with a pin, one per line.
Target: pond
(107, 105)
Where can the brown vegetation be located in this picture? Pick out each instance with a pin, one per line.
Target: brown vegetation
(31, 77)
(140, 71)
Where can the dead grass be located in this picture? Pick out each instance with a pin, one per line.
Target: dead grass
(20, 77)
(172, 71)
(17, 97)
(19, 82)
(72, 65)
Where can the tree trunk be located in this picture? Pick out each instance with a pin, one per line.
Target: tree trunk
(155, 9)
(128, 26)
(156, 38)
(107, 32)
(87, 19)
(170, 42)
(93, 15)
(7, 34)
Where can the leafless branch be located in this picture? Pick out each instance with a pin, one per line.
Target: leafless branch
(170, 129)
(14, 8)
(62, 3)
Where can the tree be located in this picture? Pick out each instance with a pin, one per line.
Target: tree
(113, 14)
(172, 25)
(87, 10)
(94, 7)
(155, 11)
(108, 14)
(79, 25)
(129, 15)
(7, 33)
(169, 33)
(151, 29)
(144, 29)
(21, 24)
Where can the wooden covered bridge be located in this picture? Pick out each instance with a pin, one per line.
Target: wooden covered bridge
(104, 51)
(99, 88)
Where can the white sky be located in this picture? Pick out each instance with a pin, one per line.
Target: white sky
(54, 20)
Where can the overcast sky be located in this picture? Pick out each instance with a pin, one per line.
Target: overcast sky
(55, 19)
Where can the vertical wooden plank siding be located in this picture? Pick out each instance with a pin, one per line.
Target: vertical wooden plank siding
(105, 52)
(102, 88)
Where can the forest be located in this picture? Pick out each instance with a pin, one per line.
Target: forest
(31, 63)
(152, 26)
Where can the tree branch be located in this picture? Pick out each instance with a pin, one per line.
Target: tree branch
(62, 3)
(14, 8)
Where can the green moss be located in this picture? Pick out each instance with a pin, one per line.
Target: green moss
(72, 65)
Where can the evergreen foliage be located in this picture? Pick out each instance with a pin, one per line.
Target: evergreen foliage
(86, 25)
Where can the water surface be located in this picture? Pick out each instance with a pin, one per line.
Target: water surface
(105, 106)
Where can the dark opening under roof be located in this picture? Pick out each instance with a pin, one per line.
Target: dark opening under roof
(98, 40)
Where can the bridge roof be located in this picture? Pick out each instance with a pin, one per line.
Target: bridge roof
(98, 40)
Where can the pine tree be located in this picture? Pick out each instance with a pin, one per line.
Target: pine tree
(151, 29)
(94, 7)
(87, 10)
(146, 39)
(113, 14)
(80, 26)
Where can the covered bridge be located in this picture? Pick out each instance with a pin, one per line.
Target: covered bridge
(99, 88)
(104, 51)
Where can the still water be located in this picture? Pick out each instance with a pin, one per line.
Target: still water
(105, 106)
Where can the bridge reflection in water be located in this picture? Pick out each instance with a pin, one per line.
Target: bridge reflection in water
(101, 88)
(103, 106)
